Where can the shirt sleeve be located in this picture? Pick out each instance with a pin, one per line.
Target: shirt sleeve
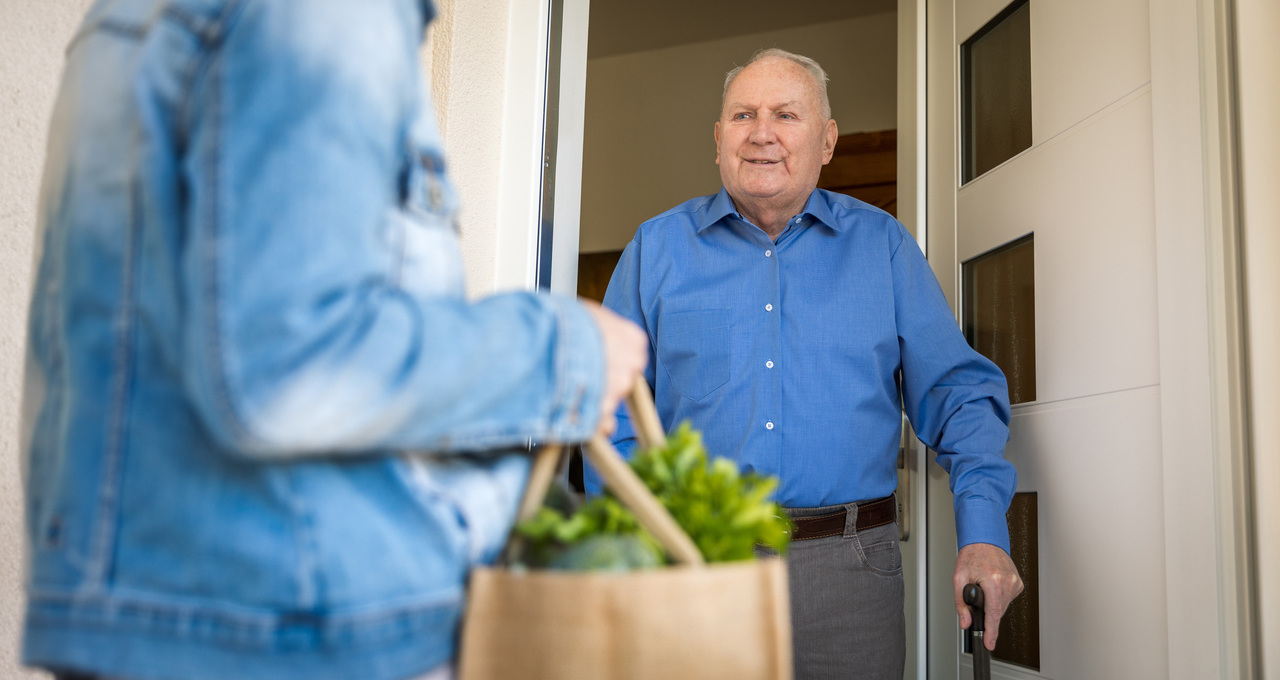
(311, 326)
(957, 400)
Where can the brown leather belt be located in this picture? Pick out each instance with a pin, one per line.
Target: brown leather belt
(871, 514)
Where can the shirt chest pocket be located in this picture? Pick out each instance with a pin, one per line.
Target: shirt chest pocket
(693, 349)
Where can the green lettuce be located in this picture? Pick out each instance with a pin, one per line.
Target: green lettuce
(726, 513)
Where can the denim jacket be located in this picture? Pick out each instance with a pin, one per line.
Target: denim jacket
(248, 308)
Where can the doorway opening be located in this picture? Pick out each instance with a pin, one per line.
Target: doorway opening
(655, 75)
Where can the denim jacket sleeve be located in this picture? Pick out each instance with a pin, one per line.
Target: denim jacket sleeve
(321, 269)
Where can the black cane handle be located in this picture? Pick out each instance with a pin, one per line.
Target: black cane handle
(974, 598)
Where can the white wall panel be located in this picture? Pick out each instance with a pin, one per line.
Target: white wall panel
(1088, 197)
(972, 15)
(1085, 54)
(1102, 590)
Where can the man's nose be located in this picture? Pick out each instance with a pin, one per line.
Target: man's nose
(762, 131)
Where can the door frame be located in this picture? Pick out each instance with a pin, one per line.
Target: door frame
(1203, 398)
(1258, 103)
(528, 187)
(540, 179)
(1202, 354)
(913, 212)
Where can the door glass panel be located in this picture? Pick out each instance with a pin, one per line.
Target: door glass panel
(999, 310)
(995, 75)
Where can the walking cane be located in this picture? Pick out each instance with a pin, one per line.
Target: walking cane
(981, 657)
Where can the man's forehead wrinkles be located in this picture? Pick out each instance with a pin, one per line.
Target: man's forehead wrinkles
(793, 103)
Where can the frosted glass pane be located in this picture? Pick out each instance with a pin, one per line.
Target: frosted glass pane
(996, 88)
(999, 301)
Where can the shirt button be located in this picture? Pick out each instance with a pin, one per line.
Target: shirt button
(768, 253)
(768, 364)
(768, 425)
(768, 308)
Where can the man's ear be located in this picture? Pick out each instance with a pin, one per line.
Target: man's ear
(829, 136)
(716, 133)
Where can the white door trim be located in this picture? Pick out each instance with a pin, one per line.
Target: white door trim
(1207, 542)
(913, 213)
(1258, 99)
(541, 171)
(572, 89)
(520, 172)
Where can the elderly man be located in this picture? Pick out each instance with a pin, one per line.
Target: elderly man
(793, 326)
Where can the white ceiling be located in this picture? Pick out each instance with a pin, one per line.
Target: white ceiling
(622, 26)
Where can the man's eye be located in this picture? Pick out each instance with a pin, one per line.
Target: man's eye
(786, 116)
(741, 116)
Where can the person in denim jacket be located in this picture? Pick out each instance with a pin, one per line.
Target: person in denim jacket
(248, 313)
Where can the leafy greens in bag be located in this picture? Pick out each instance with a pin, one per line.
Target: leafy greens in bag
(726, 513)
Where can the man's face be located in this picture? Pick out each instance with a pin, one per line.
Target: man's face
(772, 138)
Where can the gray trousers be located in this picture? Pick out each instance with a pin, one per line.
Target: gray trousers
(847, 593)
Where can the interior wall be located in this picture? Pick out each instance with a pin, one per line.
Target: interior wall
(648, 143)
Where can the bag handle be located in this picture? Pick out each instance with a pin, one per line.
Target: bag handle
(619, 477)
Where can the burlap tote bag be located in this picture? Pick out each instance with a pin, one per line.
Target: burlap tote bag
(690, 620)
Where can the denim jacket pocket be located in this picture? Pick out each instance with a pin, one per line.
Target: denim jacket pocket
(431, 258)
(693, 347)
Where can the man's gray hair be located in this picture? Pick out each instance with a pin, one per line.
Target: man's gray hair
(814, 69)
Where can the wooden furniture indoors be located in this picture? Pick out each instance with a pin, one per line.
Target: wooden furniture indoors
(865, 166)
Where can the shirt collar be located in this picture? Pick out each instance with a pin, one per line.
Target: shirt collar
(819, 208)
(816, 207)
(721, 206)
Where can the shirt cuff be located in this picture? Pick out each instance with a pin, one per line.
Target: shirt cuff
(980, 520)
(579, 372)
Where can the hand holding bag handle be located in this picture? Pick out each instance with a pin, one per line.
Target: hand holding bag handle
(619, 477)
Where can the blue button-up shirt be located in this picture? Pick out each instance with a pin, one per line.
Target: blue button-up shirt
(790, 354)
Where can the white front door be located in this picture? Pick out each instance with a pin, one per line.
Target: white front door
(1088, 442)
(1128, 443)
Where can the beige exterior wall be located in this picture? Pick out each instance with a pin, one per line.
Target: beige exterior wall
(466, 59)
(648, 142)
(33, 34)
